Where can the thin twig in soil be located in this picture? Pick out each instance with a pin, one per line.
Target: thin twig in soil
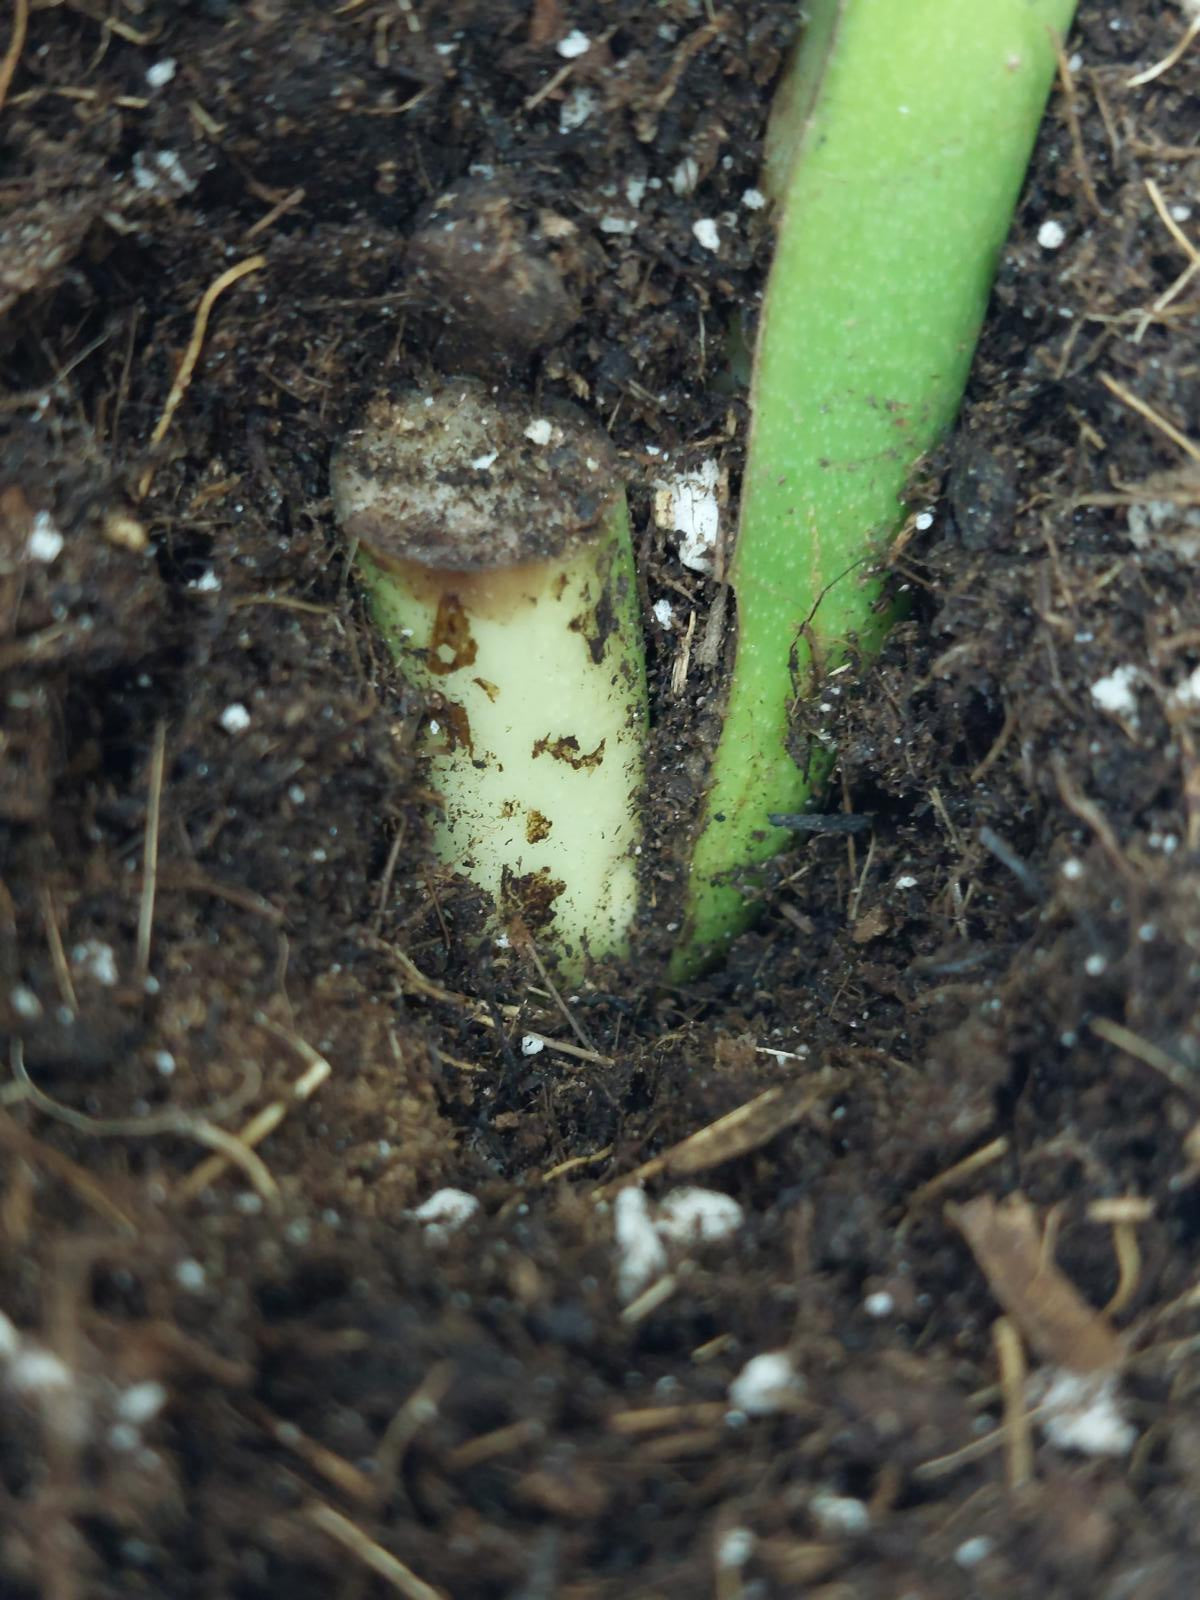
(1179, 722)
(189, 879)
(385, 881)
(817, 822)
(943, 1466)
(351, 1537)
(952, 1176)
(652, 1419)
(1176, 1074)
(708, 652)
(16, 43)
(182, 1352)
(23, 1144)
(285, 602)
(420, 984)
(145, 929)
(279, 209)
(184, 1124)
(127, 102)
(191, 355)
(490, 1446)
(1122, 1216)
(1067, 79)
(1185, 277)
(1154, 418)
(431, 891)
(679, 668)
(650, 1299)
(692, 1443)
(23, 1088)
(574, 1163)
(264, 1122)
(1001, 740)
(1015, 1252)
(336, 1470)
(555, 81)
(691, 45)
(1169, 60)
(952, 833)
(1189, 1300)
(1087, 811)
(747, 1127)
(571, 1021)
(1169, 222)
(860, 885)
(458, 1061)
(236, 1151)
(58, 956)
(1010, 1357)
(1008, 857)
(417, 1412)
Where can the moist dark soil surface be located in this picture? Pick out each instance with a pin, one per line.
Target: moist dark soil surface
(960, 1049)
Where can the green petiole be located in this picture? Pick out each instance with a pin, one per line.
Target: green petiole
(896, 156)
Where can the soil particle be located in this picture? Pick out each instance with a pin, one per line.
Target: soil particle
(498, 295)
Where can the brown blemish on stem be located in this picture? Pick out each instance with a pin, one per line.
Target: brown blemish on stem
(599, 622)
(537, 827)
(492, 690)
(529, 896)
(495, 595)
(457, 724)
(451, 643)
(606, 623)
(566, 748)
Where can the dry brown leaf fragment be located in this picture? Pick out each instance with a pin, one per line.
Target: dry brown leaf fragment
(1006, 1240)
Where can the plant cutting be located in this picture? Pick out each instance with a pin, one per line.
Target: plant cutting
(896, 153)
(493, 544)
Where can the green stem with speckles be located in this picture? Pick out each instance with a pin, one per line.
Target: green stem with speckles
(898, 148)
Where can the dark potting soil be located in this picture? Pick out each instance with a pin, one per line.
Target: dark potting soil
(238, 1374)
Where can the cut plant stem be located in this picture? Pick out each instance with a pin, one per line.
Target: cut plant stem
(898, 146)
(493, 542)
